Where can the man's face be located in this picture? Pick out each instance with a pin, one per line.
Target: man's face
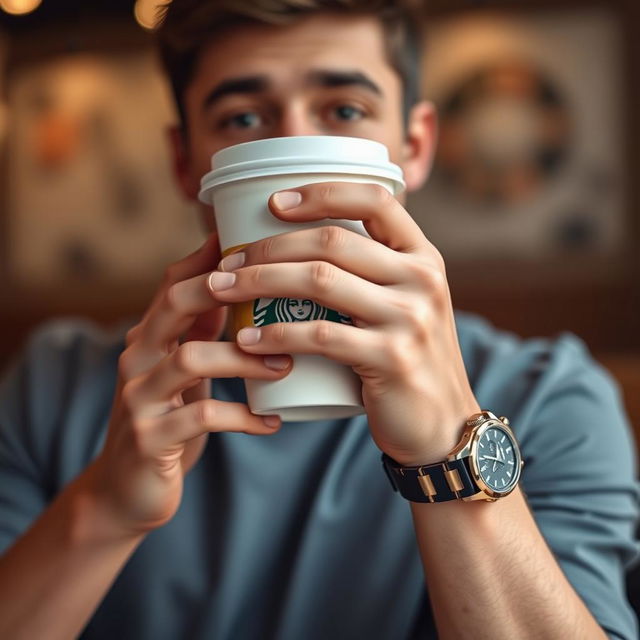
(325, 75)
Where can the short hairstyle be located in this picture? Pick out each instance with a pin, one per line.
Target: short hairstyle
(185, 27)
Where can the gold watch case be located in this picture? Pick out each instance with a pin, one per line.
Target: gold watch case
(475, 428)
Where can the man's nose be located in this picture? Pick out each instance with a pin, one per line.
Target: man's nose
(297, 121)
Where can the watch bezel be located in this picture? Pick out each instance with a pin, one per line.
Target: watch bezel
(478, 432)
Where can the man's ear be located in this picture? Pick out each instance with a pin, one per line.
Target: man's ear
(181, 162)
(419, 145)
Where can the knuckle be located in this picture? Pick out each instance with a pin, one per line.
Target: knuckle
(398, 355)
(406, 309)
(141, 432)
(323, 333)
(186, 357)
(256, 275)
(438, 289)
(332, 239)
(278, 332)
(323, 276)
(326, 192)
(416, 314)
(171, 274)
(172, 297)
(125, 364)
(129, 393)
(432, 280)
(380, 194)
(205, 413)
(418, 323)
(438, 259)
(132, 335)
(269, 248)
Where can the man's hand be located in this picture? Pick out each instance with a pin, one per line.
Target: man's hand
(163, 408)
(403, 344)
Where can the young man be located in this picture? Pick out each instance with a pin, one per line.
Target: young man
(151, 517)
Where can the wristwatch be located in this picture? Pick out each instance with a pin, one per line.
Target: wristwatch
(485, 465)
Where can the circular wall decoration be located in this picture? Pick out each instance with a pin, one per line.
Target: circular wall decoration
(504, 132)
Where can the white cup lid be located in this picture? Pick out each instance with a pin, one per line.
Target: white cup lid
(300, 154)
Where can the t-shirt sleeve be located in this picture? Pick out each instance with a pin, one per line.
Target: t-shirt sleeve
(22, 493)
(580, 479)
(54, 402)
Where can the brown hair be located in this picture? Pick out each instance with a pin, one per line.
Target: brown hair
(185, 26)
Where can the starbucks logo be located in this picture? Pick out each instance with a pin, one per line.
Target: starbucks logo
(271, 310)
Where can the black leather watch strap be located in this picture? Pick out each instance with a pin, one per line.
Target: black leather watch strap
(448, 480)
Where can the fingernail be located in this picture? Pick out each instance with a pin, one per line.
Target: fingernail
(232, 262)
(249, 335)
(279, 363)
(218, 280)
(271, 421)
(287, 199)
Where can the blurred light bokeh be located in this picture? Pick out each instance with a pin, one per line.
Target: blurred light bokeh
(19, 7)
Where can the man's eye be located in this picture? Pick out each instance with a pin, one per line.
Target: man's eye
(244, 120)
(348, 112)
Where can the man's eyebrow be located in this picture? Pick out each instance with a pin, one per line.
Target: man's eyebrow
(336, 78)
(320, 77)
(244, 84)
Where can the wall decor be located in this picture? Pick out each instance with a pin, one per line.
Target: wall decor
(90, 192)
(531, 150)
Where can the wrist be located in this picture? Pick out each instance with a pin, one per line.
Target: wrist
(93, 520)
(485, 465)
(441, 444)
(429, 455)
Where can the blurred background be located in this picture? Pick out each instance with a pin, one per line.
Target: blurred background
(534, 200)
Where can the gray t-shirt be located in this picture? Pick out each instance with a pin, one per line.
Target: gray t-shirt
(299, 534)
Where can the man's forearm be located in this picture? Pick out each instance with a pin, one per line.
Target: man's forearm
(53, 578)
(491, 575)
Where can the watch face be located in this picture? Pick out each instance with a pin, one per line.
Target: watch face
(498, 459)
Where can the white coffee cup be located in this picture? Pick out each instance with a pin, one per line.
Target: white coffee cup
(242, 180)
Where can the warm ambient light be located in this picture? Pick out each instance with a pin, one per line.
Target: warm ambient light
(19, 7)
(146, 12)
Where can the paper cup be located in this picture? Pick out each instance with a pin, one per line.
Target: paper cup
(242, 180)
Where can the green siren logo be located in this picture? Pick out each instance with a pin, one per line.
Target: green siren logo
(272, 310)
